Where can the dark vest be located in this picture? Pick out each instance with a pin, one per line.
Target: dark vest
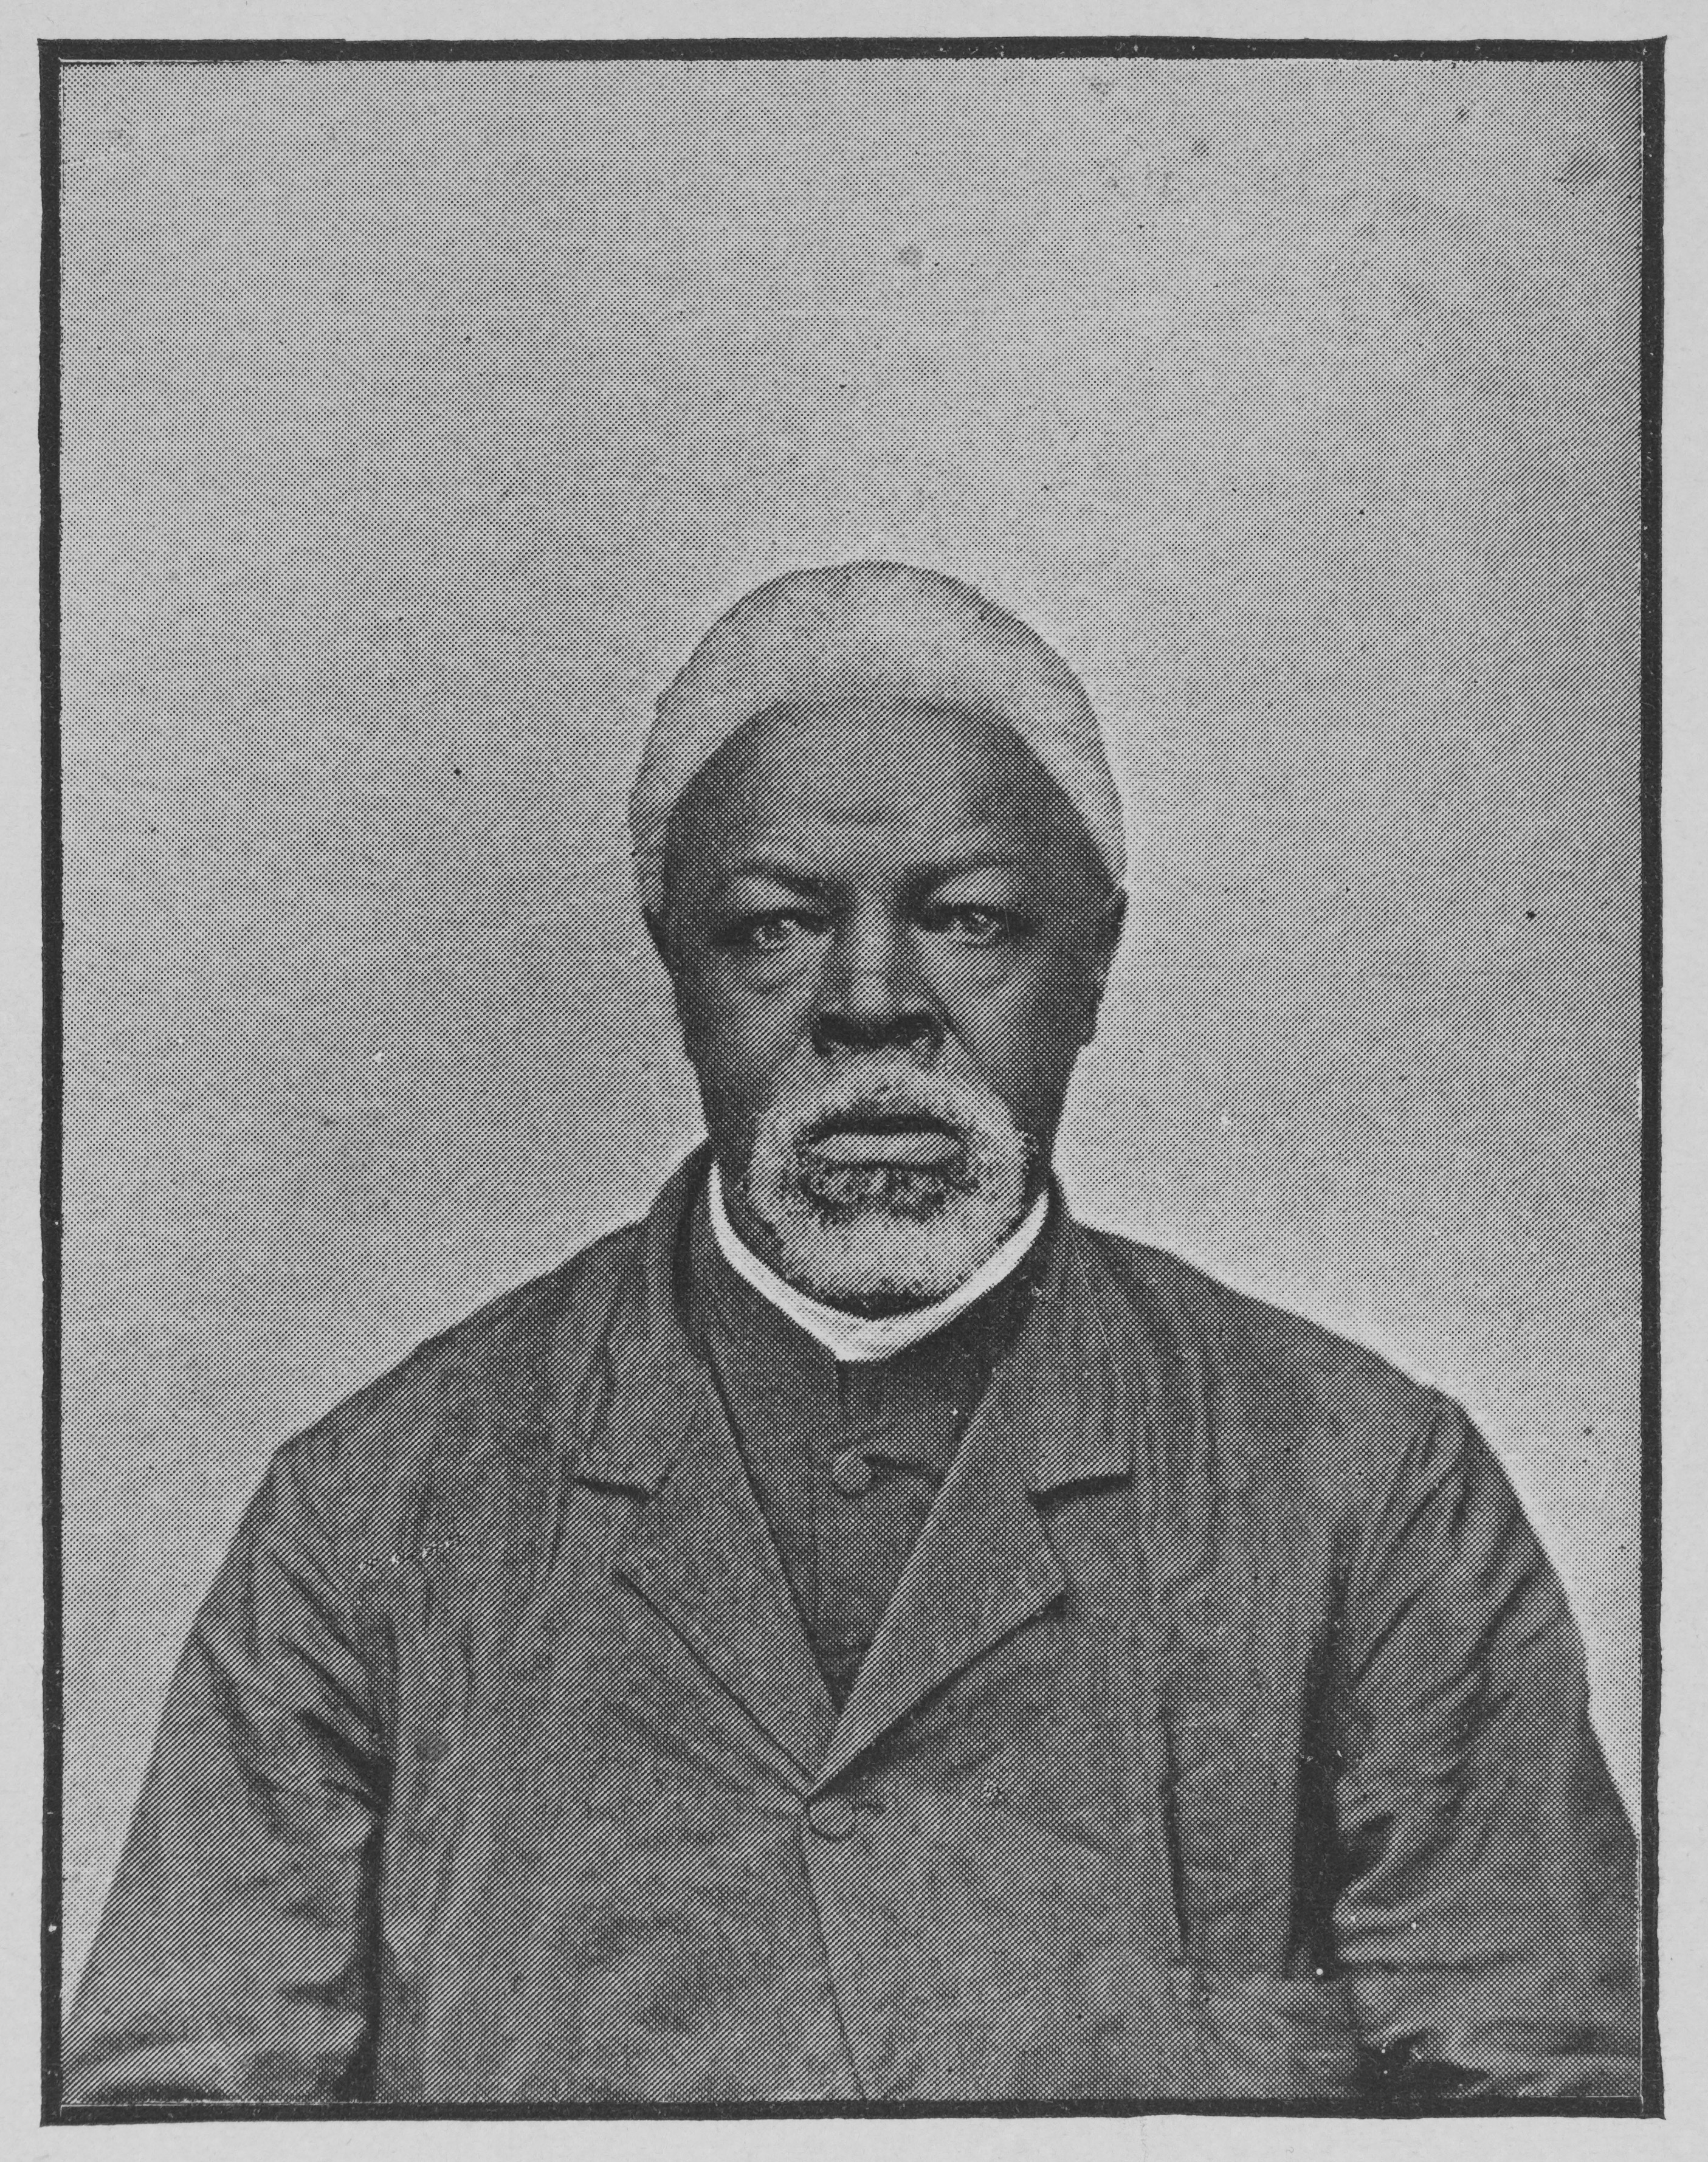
(845, 1457)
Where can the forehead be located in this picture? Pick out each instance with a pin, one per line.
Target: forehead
(875, 772)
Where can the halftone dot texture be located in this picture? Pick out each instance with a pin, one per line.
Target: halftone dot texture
(417, 419)
(1224, 1735)
(820, 636)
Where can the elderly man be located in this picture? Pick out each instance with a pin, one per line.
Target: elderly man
(861, 1635)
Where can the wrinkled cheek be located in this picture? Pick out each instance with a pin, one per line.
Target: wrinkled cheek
(744, 1068)
(1027, 1067)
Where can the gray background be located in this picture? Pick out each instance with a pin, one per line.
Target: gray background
(416, 419)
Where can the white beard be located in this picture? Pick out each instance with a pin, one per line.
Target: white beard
(881, 1238)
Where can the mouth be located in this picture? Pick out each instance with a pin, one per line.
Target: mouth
(892, 1136)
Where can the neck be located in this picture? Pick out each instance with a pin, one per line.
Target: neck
(856, 1338)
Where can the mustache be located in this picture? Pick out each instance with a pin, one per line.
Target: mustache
(979, 1148)
(885, 1099)
(850, 1218)
(881, 1115)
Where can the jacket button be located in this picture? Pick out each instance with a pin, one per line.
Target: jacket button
(831, 1816)
(851, 1473)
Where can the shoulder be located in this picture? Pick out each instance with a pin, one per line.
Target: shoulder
(1268, 1346)
(1279, 1394)
(469, 1403)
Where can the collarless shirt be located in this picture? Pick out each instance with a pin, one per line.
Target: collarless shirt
(845, 1456)
(855, 1338)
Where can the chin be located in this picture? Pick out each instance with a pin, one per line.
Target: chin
(878, 1238)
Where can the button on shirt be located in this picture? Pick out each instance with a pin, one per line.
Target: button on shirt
(496, 1671)
(845, 1458)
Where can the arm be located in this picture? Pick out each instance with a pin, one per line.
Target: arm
(235, 1958)
(1487, 1921)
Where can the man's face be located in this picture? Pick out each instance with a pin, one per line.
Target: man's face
(888, 932)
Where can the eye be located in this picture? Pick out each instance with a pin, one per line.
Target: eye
(977, 923)
(771, 932)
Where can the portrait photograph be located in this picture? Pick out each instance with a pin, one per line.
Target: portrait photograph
(851, 1060)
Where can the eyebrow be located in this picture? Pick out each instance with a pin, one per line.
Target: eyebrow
(805, 883)
(784, 874)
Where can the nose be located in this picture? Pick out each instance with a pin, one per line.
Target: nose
(872, 996)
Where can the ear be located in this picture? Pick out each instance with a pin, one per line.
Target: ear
(1107, 940)
(658, 930)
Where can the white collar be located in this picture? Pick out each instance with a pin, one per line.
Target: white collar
(856, 1338)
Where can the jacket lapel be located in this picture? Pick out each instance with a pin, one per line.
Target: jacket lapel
(698, 1550)
(983, 1566)
(1062, 1410)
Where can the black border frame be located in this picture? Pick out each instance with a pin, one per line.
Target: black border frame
(55, 55)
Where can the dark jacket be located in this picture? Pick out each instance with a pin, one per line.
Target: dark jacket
(1226, 1738)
